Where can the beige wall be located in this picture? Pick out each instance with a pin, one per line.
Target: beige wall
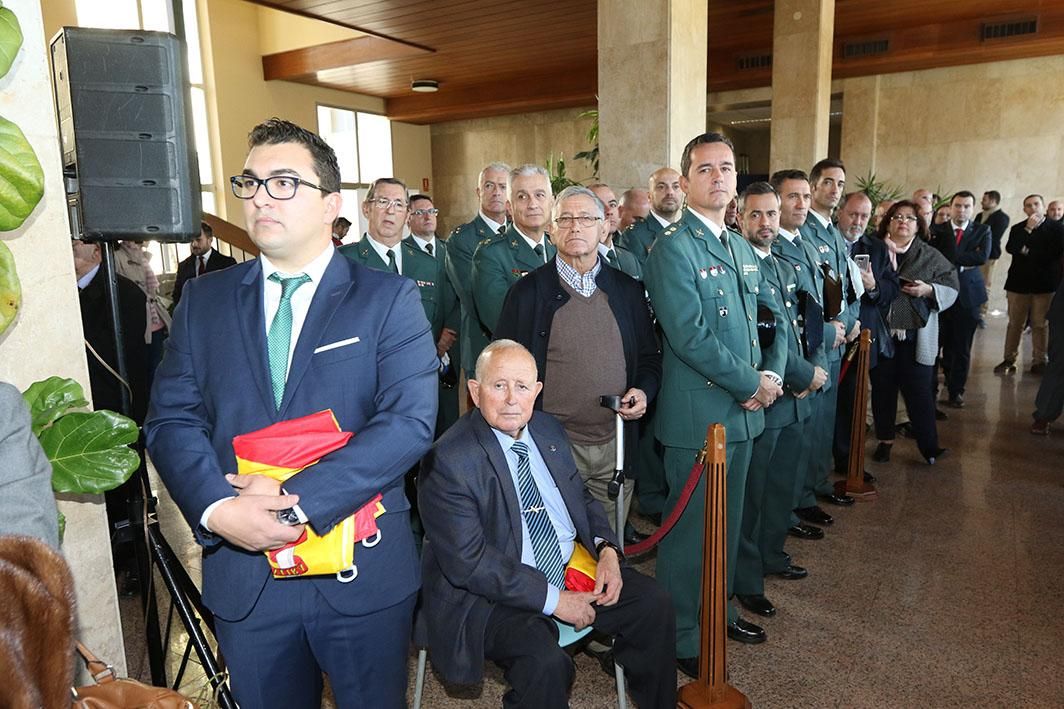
(47, 338)
(461, 148)
(979, 127)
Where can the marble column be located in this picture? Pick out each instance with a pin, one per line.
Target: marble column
(651, 85)
(803, 31)
(860, 124)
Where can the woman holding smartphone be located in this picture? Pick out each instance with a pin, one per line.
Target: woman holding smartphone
(928, 286)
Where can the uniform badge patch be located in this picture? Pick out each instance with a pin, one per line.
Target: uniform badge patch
(723, 311)
(702, 272)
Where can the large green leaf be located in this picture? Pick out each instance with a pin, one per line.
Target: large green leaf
(10, 288)
(10, 39)
(21, 177)
(51, 398)
(89, 451)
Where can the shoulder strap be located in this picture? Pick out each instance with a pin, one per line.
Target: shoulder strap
(101, 672)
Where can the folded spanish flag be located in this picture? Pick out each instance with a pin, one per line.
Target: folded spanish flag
(284, 449)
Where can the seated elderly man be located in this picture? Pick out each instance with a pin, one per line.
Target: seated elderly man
(504, 507)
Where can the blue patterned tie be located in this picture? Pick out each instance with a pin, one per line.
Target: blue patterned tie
(279, 338)
(545, 547)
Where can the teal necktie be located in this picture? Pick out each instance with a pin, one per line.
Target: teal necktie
(391, 261)
(539, 251)
(541, 532)
(279, 338)
(611, 256)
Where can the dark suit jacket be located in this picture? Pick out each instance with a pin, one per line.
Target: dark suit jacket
(186, 270)
(972, 252)
(214, 384)
(96, 322)
(471, 557)
(1038, 270)
(998, 222)
(876, 306)
(528, 312)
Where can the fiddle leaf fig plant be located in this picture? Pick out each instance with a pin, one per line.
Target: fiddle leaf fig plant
(10, 39)
(10, 289)
(21, 177)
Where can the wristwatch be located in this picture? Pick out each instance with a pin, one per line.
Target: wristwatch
(606, 543)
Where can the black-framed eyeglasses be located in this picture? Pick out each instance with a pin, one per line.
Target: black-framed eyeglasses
(567, 222)
(277, 186)
(425, 212)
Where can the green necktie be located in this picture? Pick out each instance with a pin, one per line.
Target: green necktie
(391, 261)
(279, 338)
(611, 256)
(539, 251)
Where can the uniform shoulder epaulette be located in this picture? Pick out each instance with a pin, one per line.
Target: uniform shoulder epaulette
(670, 230)
(456, 229)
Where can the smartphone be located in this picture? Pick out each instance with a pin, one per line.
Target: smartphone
(863, 261)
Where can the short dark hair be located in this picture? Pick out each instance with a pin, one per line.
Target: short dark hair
(342, 221)
(1040, 198)
(207, 229)
(276, 131)
(824, 164)
(704, 139)
(884, 223)
(756, 188)
(385, 181)
(994, 195)
(965, 194)
(416, 197)
(781, 176)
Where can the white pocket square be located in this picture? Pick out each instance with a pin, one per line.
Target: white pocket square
(338, 343)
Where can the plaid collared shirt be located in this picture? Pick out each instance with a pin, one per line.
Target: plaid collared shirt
(583, 284)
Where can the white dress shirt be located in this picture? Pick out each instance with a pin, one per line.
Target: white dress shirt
(382, 251)
(492, 224)
(533, 244)
(423, 242)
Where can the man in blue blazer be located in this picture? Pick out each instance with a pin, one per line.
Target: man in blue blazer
(297, 331)
(504, 506)
(967, 246)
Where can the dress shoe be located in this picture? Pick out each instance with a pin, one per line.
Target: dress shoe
(1040, 428)
(757, 604)
(688, 665)
(805, 531)
(1038, 368)
(746, 632)
(956, 401)
(791, 573)
(633, 535)
(1006, 367)
(868, 477)
(604, 658)
(814, 515)
(882, 454)
(941, 415)
(840, 500)
(935, 455)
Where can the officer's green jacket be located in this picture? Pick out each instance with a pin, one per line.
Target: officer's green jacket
(417, 266)
(639, 237)
(461, 245)
(705, 297)
(799, 372)
(448, 298)
(499, 264)
(626, 262)
(831, 249)
(805, 261)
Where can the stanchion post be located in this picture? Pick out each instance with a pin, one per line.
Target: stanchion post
(711, 690)
(854, 484)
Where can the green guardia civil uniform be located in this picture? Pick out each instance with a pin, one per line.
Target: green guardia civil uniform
(622, 259)
(448, 299)
(778, 457)
(705, 296)
(831, 250)
(639, 237)
(499, 264)
(461, 245)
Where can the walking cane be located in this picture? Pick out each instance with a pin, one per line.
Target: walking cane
(615, 490)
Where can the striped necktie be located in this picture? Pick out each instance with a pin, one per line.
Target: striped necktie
(279, 338)
(541, 531)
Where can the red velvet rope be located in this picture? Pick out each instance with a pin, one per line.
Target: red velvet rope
(674, 516)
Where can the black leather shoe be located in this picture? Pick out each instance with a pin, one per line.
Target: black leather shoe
(814, 515)
(840, 500)
(868, 477)
(746, 632)
(757, 604)
(791, 573)
(688, 665)
(633, 535)
(1005, 367)
(956, 401)
(805, 531)
(941, 415)
(1038, 368)
(935, 455)
(882, 454)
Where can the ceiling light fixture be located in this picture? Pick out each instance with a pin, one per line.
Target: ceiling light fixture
(425, 86)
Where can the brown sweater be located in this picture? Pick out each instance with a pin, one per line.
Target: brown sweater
(585, 359)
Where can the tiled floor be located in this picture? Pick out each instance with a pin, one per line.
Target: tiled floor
(943, 592)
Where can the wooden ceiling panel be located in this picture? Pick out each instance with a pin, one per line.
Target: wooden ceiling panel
(508, 56)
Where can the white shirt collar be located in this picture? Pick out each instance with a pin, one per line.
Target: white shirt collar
(761, 254)
(955, 226)
(819, 217)
(315, 269)
(492, 224)
(533, 244)
(421, 242)
(789, 236)
(661, 220)
(605, 250)
(87, 278)
(714, 228)
(382, 251)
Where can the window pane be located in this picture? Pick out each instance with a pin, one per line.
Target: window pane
(199, 126)
(155, 15)
(108, 14)
(207, 202)
(374, 147)
(352, 209)
(195, 52)
(337, 127)
(155, 256)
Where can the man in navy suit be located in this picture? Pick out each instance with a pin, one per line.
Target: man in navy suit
(504, 506)
(298, 330)
(967, 246)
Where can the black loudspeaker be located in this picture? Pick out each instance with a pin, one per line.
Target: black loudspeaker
(129, 159)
